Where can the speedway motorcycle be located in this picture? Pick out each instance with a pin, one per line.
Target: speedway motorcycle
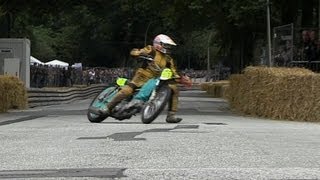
(157, 92)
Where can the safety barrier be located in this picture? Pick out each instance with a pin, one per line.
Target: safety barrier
(312, 65)
(52, 96)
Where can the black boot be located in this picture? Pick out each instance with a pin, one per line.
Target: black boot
(104, 111)
(171, 118)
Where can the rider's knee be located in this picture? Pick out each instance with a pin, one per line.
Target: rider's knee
(127, 90)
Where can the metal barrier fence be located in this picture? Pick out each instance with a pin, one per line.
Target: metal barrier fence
(296, 47)
(283, 39)
(312, 65)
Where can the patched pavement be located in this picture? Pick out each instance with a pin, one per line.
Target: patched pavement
(58, 142)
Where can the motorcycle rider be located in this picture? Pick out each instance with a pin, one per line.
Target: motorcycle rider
(160, 51)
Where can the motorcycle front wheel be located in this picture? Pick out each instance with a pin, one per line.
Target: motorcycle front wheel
(153, 108)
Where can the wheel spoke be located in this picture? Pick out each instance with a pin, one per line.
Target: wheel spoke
(156, 105)
(149, 110)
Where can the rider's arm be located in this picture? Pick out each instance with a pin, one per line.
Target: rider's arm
(173, 69)
(144, 51)
(184, 79)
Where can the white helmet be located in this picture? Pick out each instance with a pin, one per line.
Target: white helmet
(163, 43)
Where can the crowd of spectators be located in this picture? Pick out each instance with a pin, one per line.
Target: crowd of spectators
(217, 72)
(55, 76)
(99, 75)
(303, 53)
(310, 46)
(306, 49)
(51, 76)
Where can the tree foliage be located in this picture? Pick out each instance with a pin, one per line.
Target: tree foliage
(101, 32)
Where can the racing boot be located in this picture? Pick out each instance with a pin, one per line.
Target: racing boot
(105, 111)
(111, 105)
(171, 118)
(99, 111)
(136, 103)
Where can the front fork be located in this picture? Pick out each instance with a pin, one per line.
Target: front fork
(153, 94)
(159, 84)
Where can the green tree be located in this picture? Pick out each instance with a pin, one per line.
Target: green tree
(101, 32)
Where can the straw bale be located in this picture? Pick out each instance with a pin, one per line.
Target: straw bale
(278, 71)
(215, 89)
(224, 93)
(12, 93)
(204, 86)
(278, 93)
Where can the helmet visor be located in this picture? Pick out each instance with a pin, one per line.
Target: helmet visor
(167, 47)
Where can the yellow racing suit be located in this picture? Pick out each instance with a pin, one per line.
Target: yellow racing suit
(147, 71)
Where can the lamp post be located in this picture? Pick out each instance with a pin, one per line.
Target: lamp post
(146, 34)
(269, 33)
(319, 19)
(208, 58)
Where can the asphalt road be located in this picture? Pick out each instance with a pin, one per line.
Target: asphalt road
(58, 142)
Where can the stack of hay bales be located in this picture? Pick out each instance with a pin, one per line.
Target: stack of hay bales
(278, 93)
(216, 89)
(12, 93)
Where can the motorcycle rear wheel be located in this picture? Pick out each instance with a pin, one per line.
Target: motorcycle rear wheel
(95, 118)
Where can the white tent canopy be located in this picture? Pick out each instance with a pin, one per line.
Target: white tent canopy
(77, 65)
(34, 60)
(57, 63)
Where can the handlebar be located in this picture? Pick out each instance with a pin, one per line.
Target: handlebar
(146, 57)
